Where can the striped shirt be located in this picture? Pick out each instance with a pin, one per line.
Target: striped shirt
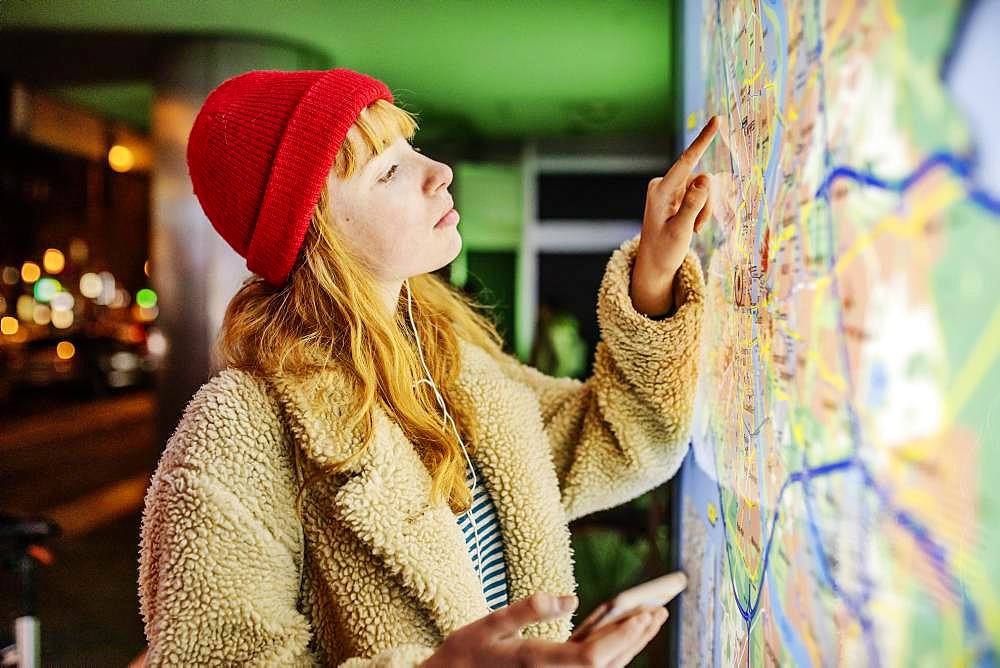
(494, 568)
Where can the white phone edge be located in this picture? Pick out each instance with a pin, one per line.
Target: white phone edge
(656, 592)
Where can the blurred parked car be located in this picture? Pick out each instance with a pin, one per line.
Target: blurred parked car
(84, 365)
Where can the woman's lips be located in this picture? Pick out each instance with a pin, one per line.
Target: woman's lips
(450, 218)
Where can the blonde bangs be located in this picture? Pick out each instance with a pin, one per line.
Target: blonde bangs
(379, 125)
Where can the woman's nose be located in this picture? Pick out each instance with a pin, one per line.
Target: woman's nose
(440, 177)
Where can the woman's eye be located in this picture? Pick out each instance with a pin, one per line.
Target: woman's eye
(388, 175)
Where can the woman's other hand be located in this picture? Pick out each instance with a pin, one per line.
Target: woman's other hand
(495, 640)
(677, 205)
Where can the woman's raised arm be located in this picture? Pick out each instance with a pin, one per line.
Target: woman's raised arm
(624, 430)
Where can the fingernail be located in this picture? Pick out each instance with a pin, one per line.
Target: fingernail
(567, 603)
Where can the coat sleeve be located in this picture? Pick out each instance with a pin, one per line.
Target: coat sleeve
(221, 546)
(625, 429)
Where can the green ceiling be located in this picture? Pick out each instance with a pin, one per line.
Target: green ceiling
(507, 69)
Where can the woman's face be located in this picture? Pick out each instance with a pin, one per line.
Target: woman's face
(387, 212)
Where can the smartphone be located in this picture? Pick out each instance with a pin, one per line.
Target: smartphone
(656, 592)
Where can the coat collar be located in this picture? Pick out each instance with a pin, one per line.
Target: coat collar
(384, 498)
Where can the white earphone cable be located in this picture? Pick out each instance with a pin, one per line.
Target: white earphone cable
(447, 418)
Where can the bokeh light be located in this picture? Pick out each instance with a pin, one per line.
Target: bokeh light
(124, 360)
(42, 314)
(79, 251)
(134, 333)
(145, 267)
(107, 294)
(120, 158)
(145, 298)
(143, 314)
(25, 307)
(11, 275)
(30, 272)
(62, 301)
(91, 285)
(65, 350)
(121, 299)
(9, 325)
(46, 289)
(53, 261)
(156, 343)
(62, 319)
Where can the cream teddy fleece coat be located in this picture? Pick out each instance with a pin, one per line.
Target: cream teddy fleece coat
(373, 574)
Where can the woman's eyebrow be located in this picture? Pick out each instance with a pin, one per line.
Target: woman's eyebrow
(376, 165)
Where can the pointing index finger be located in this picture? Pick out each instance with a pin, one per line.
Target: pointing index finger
(679, 173)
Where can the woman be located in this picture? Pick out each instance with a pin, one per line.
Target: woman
(314, 503)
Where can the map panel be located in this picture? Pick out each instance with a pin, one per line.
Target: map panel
(841, 502)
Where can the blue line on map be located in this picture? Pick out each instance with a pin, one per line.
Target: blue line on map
(796, 477)
(932, 549)
(853, 605)
(960, 166)
(934, 552)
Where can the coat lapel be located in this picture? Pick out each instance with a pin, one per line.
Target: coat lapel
(517, 469)
(387, 506)
(385, 499)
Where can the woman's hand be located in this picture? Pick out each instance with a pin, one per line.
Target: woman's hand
(677, 205)
(495, 640)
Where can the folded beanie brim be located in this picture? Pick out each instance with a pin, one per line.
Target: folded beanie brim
(306, 153)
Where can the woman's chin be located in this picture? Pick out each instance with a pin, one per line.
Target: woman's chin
(454, 249)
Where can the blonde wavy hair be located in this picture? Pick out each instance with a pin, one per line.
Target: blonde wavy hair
(329, 314)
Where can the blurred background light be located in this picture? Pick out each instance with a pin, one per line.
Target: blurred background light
(145, 298)
(91, 285)
(134, 333)
(53, 261)
(8, 325)
(124, 361)
(156, 343)
(30, 272)
(62, 319)
(107, 294)
(65, 350)
(25, 307)
(62, 301)
(121, 299)
(79, 251)
(46, 289)
(144, 314)
(120, 158)
(119, 378)
(11, 275)
(42, 314)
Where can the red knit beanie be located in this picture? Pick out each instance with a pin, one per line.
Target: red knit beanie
(260, 151)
